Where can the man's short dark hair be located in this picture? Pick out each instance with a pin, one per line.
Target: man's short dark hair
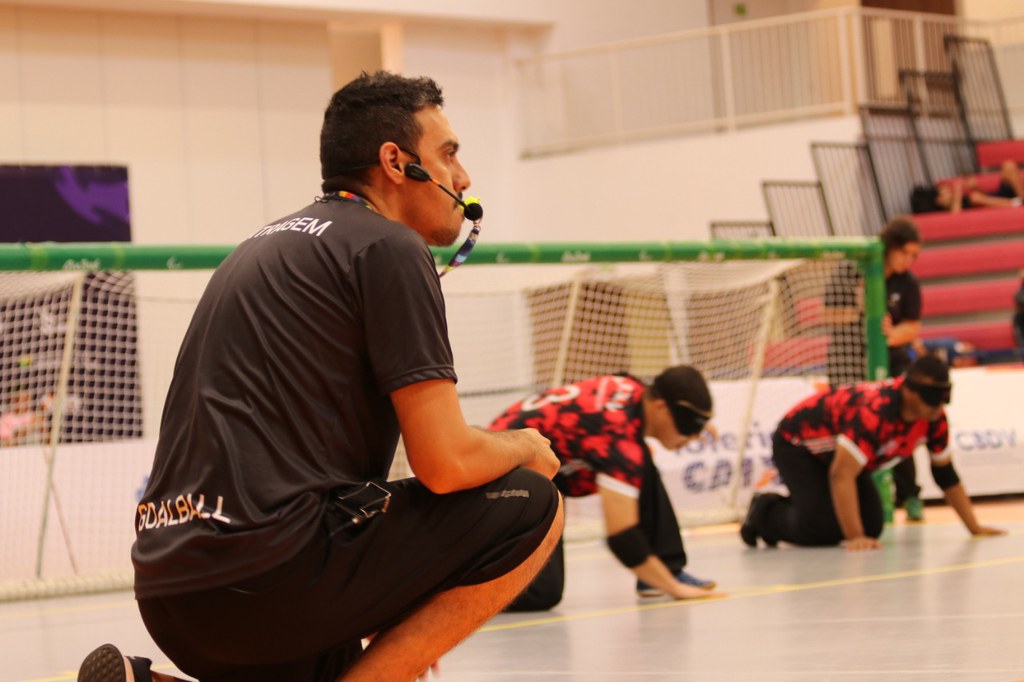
(899, 232)
(369, 111)
(929, 366)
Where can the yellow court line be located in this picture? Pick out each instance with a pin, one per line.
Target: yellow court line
(756, 592)
(60, 610)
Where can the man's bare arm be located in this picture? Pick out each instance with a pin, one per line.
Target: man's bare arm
(842, 478)
(447, 455)
(960, 502)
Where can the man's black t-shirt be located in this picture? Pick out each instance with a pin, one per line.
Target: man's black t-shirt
(281, 392)
(903, 303)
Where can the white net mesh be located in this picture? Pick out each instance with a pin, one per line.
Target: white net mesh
(514, 330)
(523, 328)
(85, 360)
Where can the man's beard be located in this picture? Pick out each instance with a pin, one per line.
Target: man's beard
(445, 236)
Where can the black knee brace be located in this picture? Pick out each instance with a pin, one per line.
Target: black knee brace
(630, 546)
(945, 476)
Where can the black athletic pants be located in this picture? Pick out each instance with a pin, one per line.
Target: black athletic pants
(904, 478)
(658, 523)
(808, 517)
(303, 621)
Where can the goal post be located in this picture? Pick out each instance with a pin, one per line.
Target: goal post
(753, 316)
(89, 334)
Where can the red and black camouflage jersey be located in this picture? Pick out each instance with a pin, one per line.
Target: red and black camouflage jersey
(865, 419)
(595, 427)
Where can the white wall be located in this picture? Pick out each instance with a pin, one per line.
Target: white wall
(217, 117)
(572, 23)
(669, 188)
(723, 11)
(988, 10)
(579, 23)
(217, 120)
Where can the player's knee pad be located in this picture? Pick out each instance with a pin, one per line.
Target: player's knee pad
(945, 476)
(630, 546)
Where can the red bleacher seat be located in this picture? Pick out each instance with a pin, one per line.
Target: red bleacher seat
(992, 154)
(809, 311)
(977, 222)
(971, 297)
(799, 353)
(982, 335)
(970, 259)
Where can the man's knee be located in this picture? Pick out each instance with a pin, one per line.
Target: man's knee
(520, 516)
(543, 501)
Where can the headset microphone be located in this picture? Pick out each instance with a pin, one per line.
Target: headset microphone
(472, 210)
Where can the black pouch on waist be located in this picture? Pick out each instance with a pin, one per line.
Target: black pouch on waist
(360, 503)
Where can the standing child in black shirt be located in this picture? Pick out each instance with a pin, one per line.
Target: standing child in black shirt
(902, 327)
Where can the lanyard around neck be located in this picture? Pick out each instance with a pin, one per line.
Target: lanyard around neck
(354, 198)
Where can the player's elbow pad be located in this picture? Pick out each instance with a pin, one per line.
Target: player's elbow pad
(945, 476)
(630, 546)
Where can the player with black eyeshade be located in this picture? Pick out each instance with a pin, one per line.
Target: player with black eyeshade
(826, 447)
(597, 428)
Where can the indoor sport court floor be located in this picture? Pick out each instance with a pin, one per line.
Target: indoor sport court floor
(935, 604)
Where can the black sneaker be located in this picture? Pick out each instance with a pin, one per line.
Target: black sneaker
(755, 515)
(106, 664)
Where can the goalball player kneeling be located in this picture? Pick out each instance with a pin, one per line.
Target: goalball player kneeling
(597, 428)
(827, 446)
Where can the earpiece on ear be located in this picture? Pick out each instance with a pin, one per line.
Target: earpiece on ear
(414, 171)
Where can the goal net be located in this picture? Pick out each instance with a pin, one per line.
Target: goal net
(86, 357)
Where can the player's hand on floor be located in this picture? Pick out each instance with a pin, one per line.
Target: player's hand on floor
(862, 544)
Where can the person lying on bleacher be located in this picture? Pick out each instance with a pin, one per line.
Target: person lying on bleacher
(964, 193)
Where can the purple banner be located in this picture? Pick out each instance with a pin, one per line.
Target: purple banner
(64, 204)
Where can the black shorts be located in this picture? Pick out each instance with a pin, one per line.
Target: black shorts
(304, 620)
(1006, 190)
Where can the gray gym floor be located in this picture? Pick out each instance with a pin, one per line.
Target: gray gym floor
(934, 604)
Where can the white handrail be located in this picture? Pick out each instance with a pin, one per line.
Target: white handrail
(821, 63)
